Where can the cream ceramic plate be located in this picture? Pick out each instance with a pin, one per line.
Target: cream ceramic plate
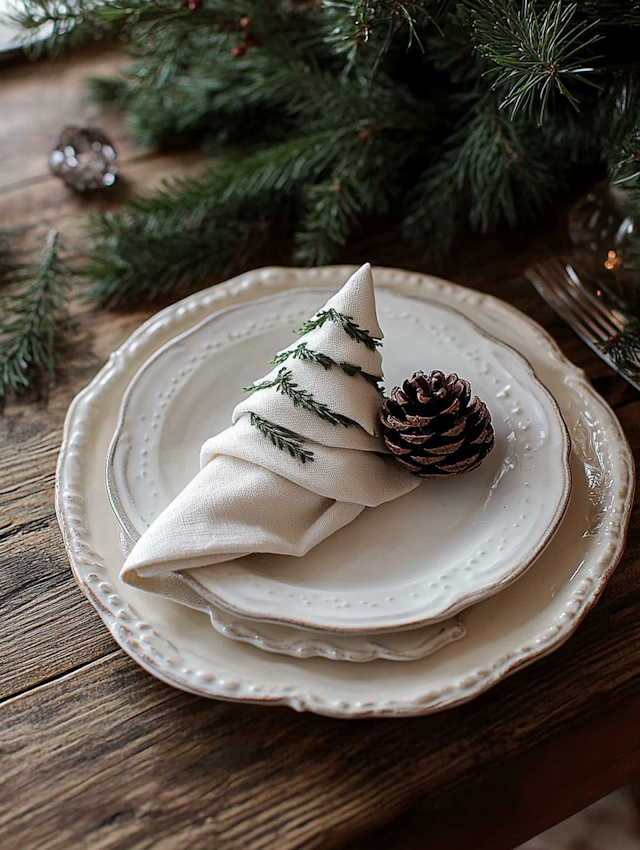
(301, 643)
(469, 535)
(285, 640)
(528, 619)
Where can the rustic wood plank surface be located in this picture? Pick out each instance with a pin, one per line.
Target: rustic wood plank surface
(98, 754)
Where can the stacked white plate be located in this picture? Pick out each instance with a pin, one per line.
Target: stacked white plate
(441, 592)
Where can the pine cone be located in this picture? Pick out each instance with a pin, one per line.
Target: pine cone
(433, 428)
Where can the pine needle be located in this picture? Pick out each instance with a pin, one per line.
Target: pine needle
(302, 352)
(285, 384)
(282, 438)
(536, 52)
(353, 330)
(34, 322)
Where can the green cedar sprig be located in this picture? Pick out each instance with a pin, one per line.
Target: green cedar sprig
(624, 350)
(282, 438)
(353, 330)
(34, 322)
(285, 384)
(302, 352)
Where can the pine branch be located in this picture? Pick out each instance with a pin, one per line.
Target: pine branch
(67, 25)
(34, 323)
(624, 350)
(129, 262)
(302, 352)
(353, 330)
(495, 170)
(282, 438)
(363, 21)
(537, 52)
(284, 383)
(333, 208)
(279, 170)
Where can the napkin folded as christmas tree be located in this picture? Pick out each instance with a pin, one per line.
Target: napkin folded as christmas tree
(301, 460)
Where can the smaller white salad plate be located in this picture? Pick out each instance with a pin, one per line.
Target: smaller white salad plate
(298, 643)
(468, 536)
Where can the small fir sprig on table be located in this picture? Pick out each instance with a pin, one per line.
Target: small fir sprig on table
(34, 321)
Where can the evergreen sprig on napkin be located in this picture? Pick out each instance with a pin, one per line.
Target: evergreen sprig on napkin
(303, 352)
(284, 382)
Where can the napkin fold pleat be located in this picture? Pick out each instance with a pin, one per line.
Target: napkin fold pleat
(348, 475)
(241, 508)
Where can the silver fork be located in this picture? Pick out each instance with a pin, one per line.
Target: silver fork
(588, 313)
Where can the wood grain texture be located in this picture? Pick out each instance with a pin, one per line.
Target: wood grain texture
(522, 796)
(98, 754)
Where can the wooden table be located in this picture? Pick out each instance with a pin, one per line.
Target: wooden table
(98, 754)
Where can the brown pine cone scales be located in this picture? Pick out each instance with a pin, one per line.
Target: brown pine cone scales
(434, 428)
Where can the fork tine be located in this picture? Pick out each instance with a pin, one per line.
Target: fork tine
(588, 306)
(572, 306)
(577, 286)
(566, 313)
(588, 315)
(555, 270)
(572, 319)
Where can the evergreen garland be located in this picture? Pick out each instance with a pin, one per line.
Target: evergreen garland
(323, 113)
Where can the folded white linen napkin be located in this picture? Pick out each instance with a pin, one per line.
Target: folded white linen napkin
(302, 458)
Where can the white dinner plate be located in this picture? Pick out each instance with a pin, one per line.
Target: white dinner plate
(526, 620)
(467, 536)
